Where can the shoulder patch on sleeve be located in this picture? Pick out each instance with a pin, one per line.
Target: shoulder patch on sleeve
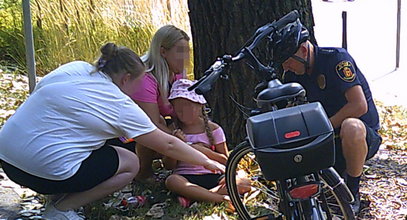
(346, 71)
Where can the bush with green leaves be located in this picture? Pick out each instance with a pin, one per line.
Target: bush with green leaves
(11, 35)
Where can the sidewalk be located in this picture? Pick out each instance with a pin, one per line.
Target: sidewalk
(9, 199)
(371, 38)
(16, 201)
(391, 88)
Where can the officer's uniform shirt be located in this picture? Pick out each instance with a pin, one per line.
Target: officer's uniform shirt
(334, 72)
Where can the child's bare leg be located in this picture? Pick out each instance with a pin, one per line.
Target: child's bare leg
(183, 187)
(243, 186)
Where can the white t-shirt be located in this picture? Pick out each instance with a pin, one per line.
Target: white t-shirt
(71, 113)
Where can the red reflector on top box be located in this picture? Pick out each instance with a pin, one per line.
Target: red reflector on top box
(292, 134)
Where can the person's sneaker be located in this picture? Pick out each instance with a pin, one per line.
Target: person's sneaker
(52, 213)
(355, 205)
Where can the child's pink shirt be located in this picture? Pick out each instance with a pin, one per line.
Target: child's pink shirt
(148, 91)
(186, 168)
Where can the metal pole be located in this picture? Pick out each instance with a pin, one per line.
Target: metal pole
(344, 31)
(398, 34)
(29, 45)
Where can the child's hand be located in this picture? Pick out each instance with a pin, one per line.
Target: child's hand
(213, 155)
(179, 134)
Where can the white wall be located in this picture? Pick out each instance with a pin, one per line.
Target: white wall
(371, 27)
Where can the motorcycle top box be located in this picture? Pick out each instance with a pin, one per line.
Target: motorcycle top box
(292, 141)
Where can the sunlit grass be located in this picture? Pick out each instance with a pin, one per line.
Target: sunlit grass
(75, 30)
(66, 30)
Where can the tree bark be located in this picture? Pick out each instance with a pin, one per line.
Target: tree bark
(222, 27)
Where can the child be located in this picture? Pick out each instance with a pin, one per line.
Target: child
(190, 181)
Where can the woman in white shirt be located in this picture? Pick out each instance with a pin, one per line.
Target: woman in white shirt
(55, 142)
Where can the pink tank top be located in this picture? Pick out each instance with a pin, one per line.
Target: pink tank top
(149, 92)
(186, 168)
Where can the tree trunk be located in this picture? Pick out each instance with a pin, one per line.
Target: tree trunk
(222, 27)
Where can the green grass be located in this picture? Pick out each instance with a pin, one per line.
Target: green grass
(156, 193)
(75, 30)
(66, 30)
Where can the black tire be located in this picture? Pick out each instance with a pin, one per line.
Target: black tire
(336, 194)
(243, 153)
(334, 201)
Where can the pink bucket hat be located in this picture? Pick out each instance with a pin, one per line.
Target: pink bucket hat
(179, 89)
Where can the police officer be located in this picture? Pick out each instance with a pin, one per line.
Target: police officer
(331, 76)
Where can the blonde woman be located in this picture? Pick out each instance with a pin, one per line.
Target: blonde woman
(165, 62)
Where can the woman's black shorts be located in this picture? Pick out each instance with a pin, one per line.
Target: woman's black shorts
(98, 167)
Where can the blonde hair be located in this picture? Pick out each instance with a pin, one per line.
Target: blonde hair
(166, 37)
(208, 130)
